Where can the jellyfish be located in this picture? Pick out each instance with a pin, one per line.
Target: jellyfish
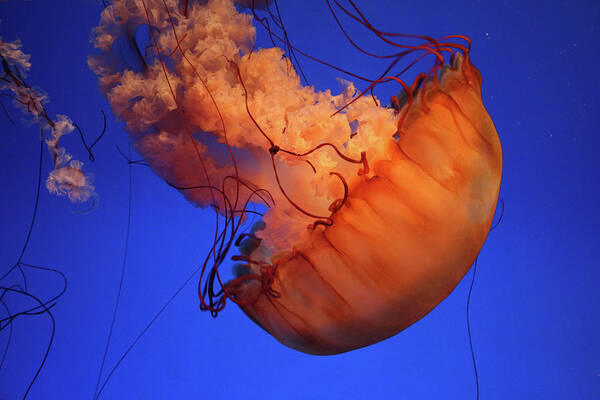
(373, 213)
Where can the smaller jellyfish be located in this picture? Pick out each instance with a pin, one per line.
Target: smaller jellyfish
(374, 213)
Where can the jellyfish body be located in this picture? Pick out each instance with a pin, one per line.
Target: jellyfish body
(405, 237)
(411, 192)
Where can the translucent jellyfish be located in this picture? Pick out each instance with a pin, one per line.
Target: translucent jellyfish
(374, 213)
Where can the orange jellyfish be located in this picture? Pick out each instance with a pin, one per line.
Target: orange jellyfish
(374, 214)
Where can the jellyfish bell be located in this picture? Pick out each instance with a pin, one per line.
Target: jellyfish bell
(374, 213)
(405, 237)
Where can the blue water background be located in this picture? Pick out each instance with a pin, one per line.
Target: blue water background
(534, 311)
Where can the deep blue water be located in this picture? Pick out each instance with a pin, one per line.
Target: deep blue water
(534, 310)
